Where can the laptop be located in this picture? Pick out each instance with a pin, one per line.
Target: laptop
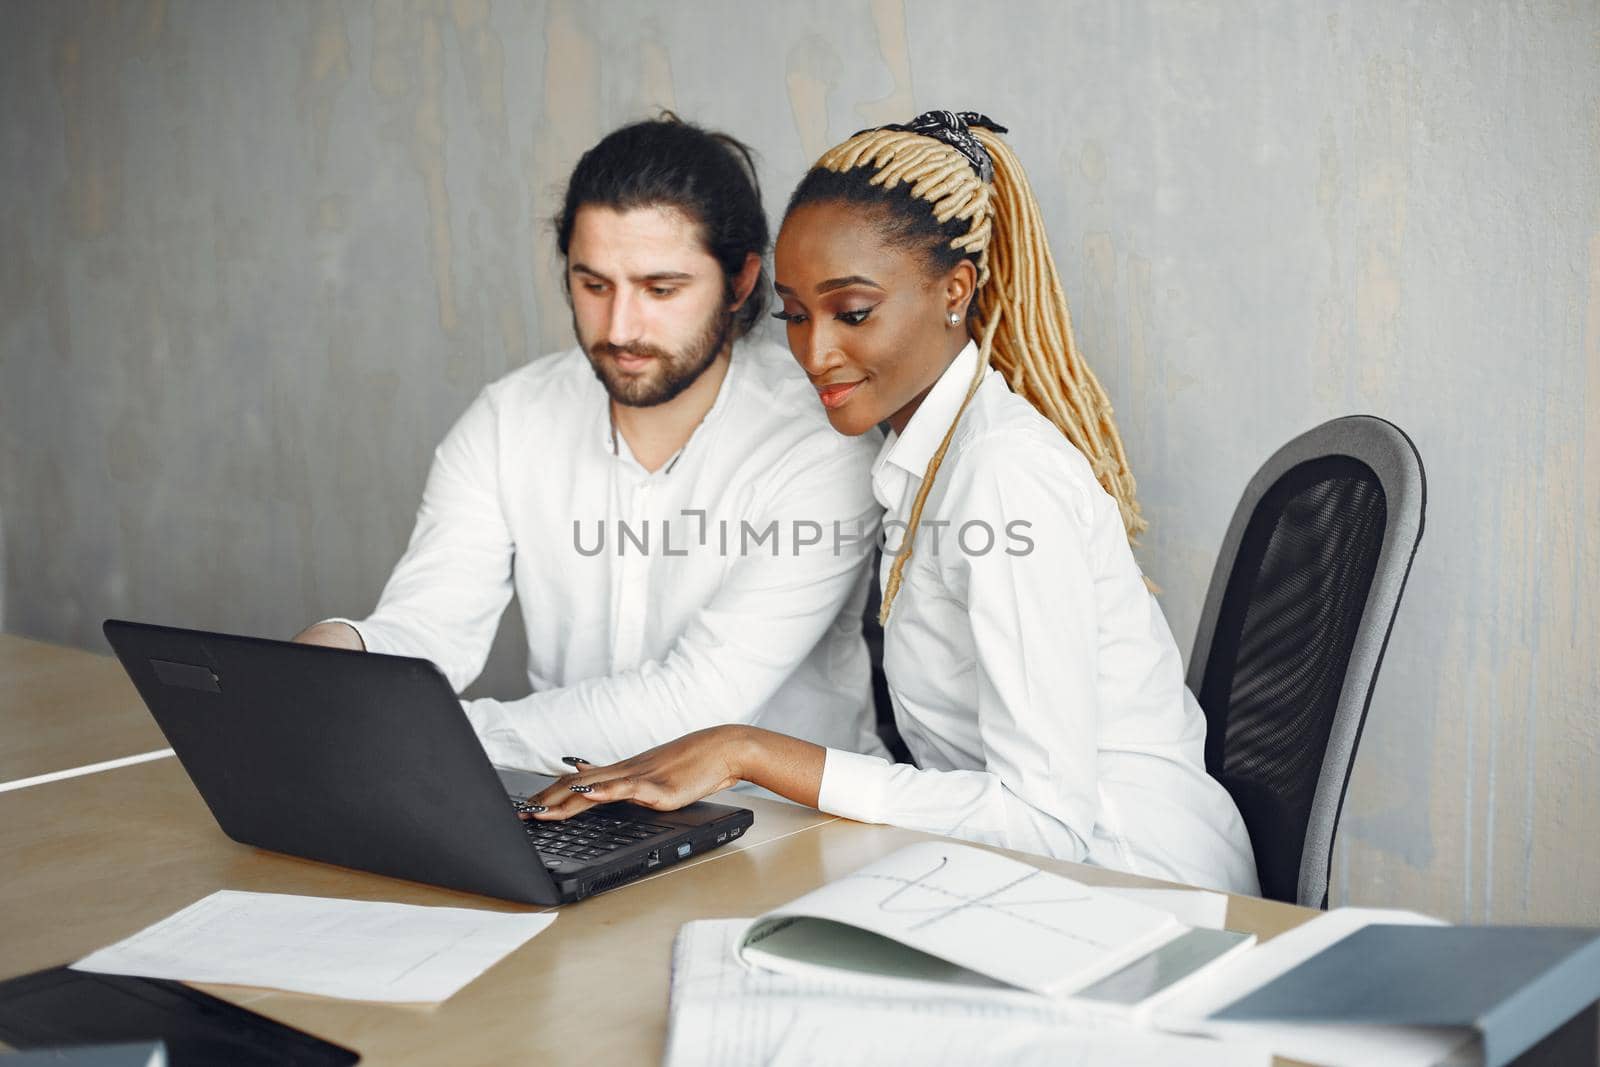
(366, 761)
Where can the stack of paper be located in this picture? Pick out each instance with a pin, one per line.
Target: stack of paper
(725, 1014)
(946, 954)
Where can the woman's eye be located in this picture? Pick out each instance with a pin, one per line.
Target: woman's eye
(788, 316)
(853, 318)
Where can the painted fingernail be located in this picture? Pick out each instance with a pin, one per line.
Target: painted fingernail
(535, 808)
(581, 788)
(575, 761)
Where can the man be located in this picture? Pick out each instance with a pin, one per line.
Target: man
(686, 535)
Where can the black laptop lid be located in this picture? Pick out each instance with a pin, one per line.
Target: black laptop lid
(352, 758)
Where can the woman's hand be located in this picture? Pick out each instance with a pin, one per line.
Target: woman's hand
(665, 778)
(683, 771)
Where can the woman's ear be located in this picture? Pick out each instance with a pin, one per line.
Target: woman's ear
(960, 285)
(745, 280)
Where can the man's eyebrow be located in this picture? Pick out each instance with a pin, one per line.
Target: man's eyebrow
(653, 276)
(584, 268)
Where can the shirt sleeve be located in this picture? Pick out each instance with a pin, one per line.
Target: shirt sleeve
(444, 600)
(1034, 634)
(769, 613)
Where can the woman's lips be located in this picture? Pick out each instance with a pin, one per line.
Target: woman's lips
(834, 395)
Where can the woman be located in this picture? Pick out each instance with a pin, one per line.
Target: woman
(1034, 678)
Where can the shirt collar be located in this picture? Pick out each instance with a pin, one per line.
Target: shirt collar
(907, 454)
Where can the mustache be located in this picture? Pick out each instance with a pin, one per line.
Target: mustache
(632, 348)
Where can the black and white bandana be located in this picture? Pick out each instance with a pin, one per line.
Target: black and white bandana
(953, 128)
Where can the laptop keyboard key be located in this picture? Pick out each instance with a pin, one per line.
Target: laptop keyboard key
(586, 836)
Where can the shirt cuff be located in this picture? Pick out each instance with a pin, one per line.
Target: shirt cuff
(497, 734)
(503, 742)
(362, 630)
(393, 639)
(853, 785)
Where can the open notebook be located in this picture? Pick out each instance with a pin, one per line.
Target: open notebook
(946, 913)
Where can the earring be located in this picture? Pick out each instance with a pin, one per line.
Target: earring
(955, 319)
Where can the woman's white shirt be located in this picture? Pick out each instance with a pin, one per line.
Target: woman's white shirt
(1033, 675)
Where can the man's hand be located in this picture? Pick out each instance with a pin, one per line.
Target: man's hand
(332, 635)
(681, 772)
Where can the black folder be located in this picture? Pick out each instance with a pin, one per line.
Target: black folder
(49, 1009)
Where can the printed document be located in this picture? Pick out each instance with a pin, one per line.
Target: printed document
(359, 950)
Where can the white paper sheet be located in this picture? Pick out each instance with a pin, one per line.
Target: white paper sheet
(359, 950)
(1328, 1046)
(727, 1015)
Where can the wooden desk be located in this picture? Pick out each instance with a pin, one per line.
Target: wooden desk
(91, 860)
(63, 708)
(88, 861)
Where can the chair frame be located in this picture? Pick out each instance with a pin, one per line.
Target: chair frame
(1389, 452)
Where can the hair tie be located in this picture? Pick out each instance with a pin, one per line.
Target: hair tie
(953, 128)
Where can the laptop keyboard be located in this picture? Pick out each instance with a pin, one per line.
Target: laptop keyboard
(589, 835)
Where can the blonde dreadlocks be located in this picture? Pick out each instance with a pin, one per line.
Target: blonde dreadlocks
(1022, 323)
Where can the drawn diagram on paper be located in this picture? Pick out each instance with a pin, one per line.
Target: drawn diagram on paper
(964, 906)
(923, 894)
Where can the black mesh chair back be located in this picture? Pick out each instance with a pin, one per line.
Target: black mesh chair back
(1295, 624)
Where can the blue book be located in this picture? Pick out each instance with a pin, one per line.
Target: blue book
(1513, 984)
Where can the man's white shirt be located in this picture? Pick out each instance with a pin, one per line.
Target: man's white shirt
(1033, 675)
(726, 586)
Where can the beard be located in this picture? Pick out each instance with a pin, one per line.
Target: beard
(669, 372)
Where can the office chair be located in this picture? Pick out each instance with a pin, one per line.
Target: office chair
(1295, 623)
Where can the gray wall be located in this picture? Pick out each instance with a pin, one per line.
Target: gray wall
(255, 257)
